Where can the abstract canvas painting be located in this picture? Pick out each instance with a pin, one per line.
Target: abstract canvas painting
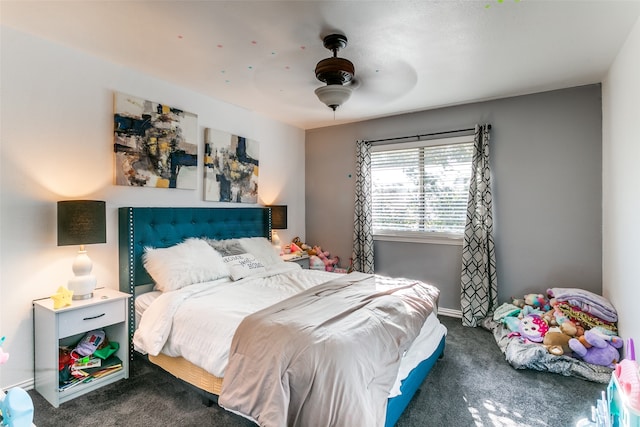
(230, 167)
(155, 145)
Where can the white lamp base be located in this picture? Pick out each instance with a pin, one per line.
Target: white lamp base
(82, 287)
(275, 242)
(84, 282)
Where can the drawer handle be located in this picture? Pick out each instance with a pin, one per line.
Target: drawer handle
(94, 317)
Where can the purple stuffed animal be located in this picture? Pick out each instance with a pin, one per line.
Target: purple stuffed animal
(603, 350)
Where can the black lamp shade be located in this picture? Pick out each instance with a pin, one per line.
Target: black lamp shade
(81, 222)
(278, 217)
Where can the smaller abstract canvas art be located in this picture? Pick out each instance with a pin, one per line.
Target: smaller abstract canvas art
(230, 168)
(155, 145)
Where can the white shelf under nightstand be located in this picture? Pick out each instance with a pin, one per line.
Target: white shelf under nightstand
(107, 310)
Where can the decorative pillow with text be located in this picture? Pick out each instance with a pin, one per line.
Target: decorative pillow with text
(243, 265)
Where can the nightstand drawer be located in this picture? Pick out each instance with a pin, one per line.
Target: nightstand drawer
(91, 317)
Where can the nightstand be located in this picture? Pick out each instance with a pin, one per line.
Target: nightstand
(302, 260)
(66, 326)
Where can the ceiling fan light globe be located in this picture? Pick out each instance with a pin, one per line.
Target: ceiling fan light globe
(333, 96)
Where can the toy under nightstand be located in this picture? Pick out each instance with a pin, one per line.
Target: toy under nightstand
(302, 260)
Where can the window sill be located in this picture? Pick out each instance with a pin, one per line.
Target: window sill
(420, 238)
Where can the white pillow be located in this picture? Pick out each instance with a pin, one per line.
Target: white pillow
(262, 249)
(189, 262)
(225, 247)
(243, 265)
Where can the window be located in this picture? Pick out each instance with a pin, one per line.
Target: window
(420, 189)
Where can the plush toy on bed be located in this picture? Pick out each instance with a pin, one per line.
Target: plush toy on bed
(530, 310)
(531, 327)
(557, 343)
(566, 325)
(537, 301)
(512, 323)
(506, 310)
(597, 349)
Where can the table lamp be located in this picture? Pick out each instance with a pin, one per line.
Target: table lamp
(81, 222)
(278, 222)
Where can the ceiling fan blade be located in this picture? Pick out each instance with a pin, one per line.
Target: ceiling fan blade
(385, 84)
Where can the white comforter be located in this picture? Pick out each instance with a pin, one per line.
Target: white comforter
(218, 307)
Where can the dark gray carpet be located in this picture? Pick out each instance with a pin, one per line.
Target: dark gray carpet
(471, 386)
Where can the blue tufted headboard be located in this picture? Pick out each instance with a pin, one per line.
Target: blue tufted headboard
(164, 227)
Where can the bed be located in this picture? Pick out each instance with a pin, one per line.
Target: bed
(165, 227)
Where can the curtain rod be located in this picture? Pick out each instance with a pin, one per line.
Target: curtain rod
(424, 134)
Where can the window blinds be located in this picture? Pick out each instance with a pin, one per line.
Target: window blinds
(421, 186)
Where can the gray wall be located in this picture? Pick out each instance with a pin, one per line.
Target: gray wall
(546, 159)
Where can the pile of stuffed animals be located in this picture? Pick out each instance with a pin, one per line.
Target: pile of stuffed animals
(566, 321)
(318, 259)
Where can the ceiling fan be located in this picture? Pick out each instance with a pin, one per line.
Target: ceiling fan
(337, 73)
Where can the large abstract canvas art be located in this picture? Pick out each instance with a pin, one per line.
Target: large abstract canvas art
(155, 145)
(230, 168)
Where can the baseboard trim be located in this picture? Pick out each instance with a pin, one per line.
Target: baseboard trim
(25, 385)
(449, 312)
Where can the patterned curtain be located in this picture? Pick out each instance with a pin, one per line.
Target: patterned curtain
(479, 294)
(362, 230)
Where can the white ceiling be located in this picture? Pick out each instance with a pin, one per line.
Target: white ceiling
(409, 55)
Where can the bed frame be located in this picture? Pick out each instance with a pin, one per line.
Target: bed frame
(163, 227)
